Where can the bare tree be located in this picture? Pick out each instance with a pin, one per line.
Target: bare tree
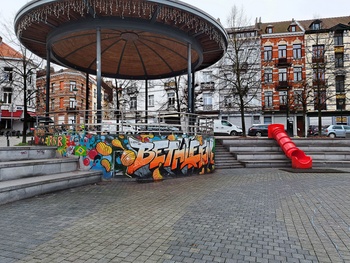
(22, 65)
(239, 70)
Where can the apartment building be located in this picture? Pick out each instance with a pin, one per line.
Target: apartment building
(71, 100)
(327, 68)
(283, 74)
(17, 85)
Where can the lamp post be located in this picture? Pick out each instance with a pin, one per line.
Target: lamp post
(75, 91)
(0, 109)
(341, 104)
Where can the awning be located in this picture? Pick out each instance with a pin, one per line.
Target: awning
(6, 114)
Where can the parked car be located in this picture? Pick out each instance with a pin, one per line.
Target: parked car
(333, 131)
(258, 130)
(313, 130)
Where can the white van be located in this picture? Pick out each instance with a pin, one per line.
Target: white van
(223, 127)
(110, 126)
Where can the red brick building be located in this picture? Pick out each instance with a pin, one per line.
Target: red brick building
(283, 73)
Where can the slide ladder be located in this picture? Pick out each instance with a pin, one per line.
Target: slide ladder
(299, 159)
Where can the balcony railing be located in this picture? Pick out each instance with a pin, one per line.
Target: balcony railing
(283, 62)
(283, 85)
(208, 86)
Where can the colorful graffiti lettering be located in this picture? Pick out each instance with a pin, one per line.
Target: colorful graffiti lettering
(138, 156)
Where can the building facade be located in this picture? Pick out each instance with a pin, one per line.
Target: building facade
(72, 102)
(17, 86)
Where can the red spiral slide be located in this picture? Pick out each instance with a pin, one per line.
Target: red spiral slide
(299, 159)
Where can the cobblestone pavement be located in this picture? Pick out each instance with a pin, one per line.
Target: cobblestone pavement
(238, 215)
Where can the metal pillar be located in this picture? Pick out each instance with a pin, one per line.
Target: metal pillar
(146, 101)
(87, 98)
(98, 76)
(48, 80)
(189, 78)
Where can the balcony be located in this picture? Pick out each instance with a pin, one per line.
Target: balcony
(283, 62)
(170, 85)
(208, 86)
(207, 107)
(283, 85)
(318, 59)
(71, 109)
(131, 90)
(283, 107)
(319, 82)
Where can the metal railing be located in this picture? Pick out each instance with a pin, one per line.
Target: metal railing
(125, 122)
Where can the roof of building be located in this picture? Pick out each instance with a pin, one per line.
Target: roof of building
(7, 51)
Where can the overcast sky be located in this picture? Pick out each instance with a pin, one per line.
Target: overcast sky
(268, 10)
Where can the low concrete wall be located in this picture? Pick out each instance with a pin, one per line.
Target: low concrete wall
(140, 156)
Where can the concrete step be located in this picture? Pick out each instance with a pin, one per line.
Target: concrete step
(11, 170)
(13, 190)
(26, 152)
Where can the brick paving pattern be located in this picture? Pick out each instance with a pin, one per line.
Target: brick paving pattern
(239, 215)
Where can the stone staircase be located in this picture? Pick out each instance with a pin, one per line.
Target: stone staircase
(32, 170)
(264, 152)
(225, 159)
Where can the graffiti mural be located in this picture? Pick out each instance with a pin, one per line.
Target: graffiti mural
(141, 156)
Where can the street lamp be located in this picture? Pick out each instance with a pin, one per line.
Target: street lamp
(0, 109)
(341, 104)
(75, 91)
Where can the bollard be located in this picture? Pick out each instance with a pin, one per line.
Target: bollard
(8, 140)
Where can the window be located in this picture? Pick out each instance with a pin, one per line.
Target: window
(72, 85)
(317, 51)
(268, 53)
(207, 76)
(72, 103)
(293, 28)
(297, 74)
(340, 84)
(268, 75)
(52, 104)
(282, 74)
(282, 51)
(171, 99)
(95, 93)
(316, 25)
(338, 39)
(133, 103)
(339, 60)
(298, 97)
(268, 99)
(319, 74)
(283, 98)
(151, 100)
(297, 51)
(8, 74)
(61, 103)
(207, 101)
(228, 101)
(340, 103)
(269, 30)
(52, 87)
(320, 100)
(7, 95)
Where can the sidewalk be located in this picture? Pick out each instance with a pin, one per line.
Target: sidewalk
(238, 215)
(11, 141)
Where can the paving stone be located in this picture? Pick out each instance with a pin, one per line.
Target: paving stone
(238, 215)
